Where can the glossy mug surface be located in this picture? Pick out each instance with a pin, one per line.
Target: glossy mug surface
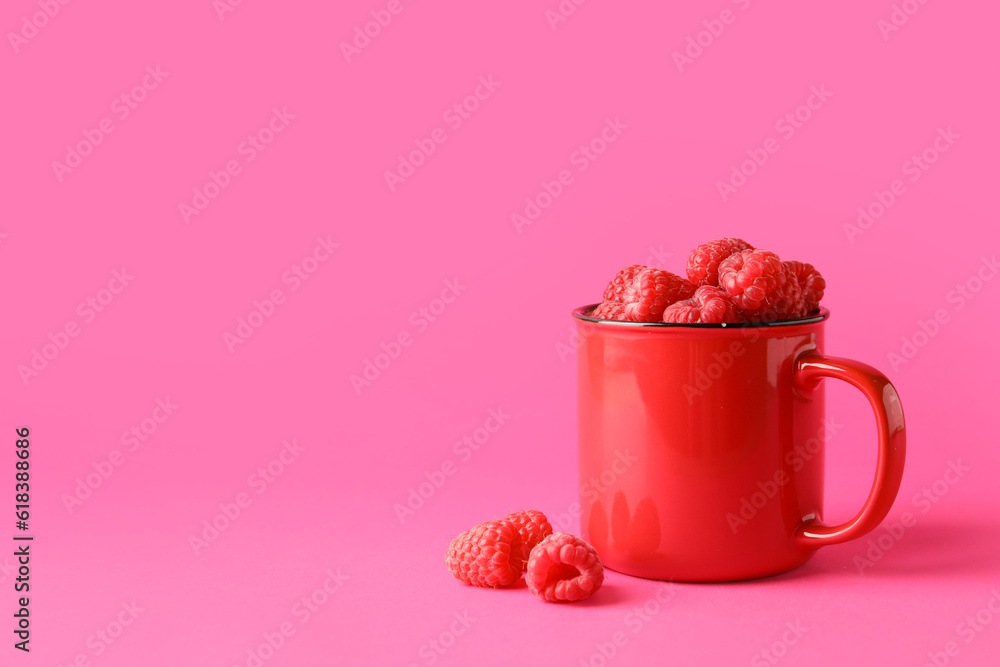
(701, 447)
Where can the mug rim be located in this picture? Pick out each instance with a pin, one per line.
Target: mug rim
(579, 314)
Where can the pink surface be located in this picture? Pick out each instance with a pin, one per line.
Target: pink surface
(292, 140)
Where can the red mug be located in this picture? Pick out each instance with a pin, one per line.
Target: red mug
(701, 446)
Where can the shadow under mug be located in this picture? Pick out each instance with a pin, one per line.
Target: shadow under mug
(701, 446)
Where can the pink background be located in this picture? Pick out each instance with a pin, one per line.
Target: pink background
(500, 344)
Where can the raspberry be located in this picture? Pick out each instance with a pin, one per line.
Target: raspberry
(751, 276)
(615, 289)
(610, 311)
(564, 568)
(789, 303)
(784, 303)
(797, 298)
(651, 291)
(709, 304)
(644, 292)
(533, 527)
(703, 262)
(488, 555)
(811, 281)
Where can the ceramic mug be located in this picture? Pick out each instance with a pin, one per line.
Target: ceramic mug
(701, 446)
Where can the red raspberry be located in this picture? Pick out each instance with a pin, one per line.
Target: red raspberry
(533, 527)
(651, 291)
(784, 303)
(564, 568)
(615, 289)
(610, 311)
(644, 292)
(751, 276)
(709, 304)
(811, 281)
(703, 262)
(790, 303)
(489, 555)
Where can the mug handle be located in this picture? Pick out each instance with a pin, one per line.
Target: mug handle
(810, 369)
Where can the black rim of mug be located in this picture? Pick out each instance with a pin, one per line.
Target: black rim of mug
(578, 313)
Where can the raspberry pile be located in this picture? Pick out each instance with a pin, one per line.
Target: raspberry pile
(558, 567)
(728, 280)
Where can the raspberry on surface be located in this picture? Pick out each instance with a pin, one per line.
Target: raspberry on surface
(489, 555)
(708, 305)
(564, 568)
(533, 527)
(810, 281)
(651, 291)
(751, 276)
(610, 310)
(703, 262)
(615, 288)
